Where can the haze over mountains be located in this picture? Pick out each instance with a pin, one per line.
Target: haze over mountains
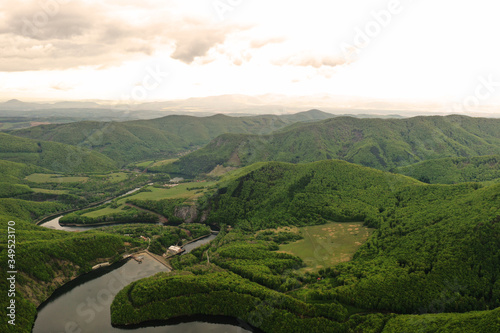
(314, 135)
(263, 104)
(163, 137)
(424, 234)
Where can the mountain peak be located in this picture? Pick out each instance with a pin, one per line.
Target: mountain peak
(13, 101)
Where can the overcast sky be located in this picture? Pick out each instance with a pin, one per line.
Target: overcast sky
(418, 50)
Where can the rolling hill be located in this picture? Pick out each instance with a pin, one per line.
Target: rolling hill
(52, 155)
(138, 140)
(435, 245)
(454, 170)
(379, 143)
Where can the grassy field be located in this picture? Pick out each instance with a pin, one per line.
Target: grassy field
(53, 178)
(43, 190)
(165, 162)
(104, 211)
(115, 177)
(328, 244)
(178, 192)
(146, 164)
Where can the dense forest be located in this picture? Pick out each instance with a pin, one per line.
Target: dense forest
(46, 259)
(378, 143)
(52, 155)
(431, 261)
(426, 234)
(454, 170)
(138, 140)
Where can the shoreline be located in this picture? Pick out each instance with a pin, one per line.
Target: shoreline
(49, 217)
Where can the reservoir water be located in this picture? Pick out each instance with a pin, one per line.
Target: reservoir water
(83, 305)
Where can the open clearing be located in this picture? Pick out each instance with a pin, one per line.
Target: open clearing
(144, 164)
(54, 178)
(328, 244)
(181, 191)
(165, 162)
(43, 190)
(114, 177)
(148, 164)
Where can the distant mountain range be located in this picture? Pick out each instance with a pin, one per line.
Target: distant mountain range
(53, 155)
(138, 140)
(379, 143)
(264, 104)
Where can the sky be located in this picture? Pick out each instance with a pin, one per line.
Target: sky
(418, 51)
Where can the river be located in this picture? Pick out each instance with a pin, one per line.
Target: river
(54, 223)
(83, 305)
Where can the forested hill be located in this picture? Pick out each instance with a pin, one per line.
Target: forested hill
(53, 155)
(379, 143)
(436, 247)
(454, 170)
(137, 140)
(273, 194)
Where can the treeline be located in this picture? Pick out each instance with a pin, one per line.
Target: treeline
(13, 172)
(81, 194)
(11, 209)
(252, 257)
(454, 170)
(161, 236)
(142, 140)
(383, 144)
(278, 194)
(52, 155)
(168, 296)
(472, 322)
(127, 216)
(165, 207)
(437, 247)
(41, 260)
(46, 258)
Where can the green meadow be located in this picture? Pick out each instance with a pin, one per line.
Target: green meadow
(181, 191)
(328, 244)
(54, 178)
(44, 190)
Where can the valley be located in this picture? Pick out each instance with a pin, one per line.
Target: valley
(249, 166)
(319, 231)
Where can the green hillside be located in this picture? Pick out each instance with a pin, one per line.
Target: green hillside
(277, 194)
(433, 259)
(436, 247)
(44, 258)
(454, 170)
(138, 140)
(52, 155)
(379, 143)
(12, 172)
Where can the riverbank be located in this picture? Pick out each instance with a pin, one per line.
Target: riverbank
(50, 217)
(101, 285)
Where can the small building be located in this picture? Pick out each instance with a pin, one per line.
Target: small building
(175, 249)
